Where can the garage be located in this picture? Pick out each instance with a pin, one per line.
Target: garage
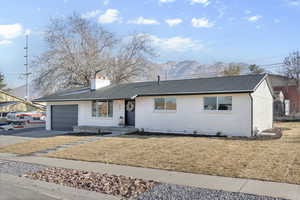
(64, 117)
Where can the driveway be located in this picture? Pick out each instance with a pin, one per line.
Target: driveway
(22, 135)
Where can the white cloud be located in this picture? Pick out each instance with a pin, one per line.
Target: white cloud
(277, 21)
(294, 3)
(142, 20)
(202, 23)
(254, 18)
(27, 32)
(173, 22)
(110, 16)
(178, 44)
(90, 14)
(10, 31)
(167, 1)
(247, 12)
(203, 2)
(106, 2)
(2, 42)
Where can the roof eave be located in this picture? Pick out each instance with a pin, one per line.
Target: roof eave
(149, 94)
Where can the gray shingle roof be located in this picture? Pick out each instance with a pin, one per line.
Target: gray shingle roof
(229, 84)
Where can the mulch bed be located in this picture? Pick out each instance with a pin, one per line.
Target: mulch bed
(109, 184)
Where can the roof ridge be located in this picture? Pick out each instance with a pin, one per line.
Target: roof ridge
(184, 79)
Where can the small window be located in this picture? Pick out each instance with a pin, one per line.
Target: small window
(170, 104)
(210, 103)
(218, 103)
(159, 103)
(102, 108)
(165, 104)
(225, 103)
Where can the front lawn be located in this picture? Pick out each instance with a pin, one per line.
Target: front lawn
(273, 160)
(39, 144)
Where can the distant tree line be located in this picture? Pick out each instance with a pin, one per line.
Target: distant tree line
(234, 69)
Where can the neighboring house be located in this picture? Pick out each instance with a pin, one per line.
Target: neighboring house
(12, 103)
(279, 108)
(291, 93)
(34, 92)
(235, 106)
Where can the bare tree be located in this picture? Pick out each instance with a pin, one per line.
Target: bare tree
(292, 66)
(78, 48)
(131, 59)
(232, 70)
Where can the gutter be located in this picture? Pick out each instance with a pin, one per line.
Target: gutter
(141, 95)
(251, 113)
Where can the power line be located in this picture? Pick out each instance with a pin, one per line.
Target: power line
(271, 64)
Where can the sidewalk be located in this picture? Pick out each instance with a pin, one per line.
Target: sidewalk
(28, 189)
(273, 189)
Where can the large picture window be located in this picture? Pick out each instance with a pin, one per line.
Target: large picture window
(102, 108)
(218, 103)
(165, 104)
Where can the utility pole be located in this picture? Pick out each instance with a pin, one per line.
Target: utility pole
(27, 68)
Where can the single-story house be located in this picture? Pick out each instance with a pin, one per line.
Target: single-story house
(233, 105)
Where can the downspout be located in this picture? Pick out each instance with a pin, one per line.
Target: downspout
(251, 113)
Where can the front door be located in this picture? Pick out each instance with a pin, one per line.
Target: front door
(130, 113)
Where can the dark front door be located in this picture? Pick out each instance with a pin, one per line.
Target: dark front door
(129, 113)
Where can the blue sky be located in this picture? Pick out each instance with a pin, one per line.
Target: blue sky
(251, 31)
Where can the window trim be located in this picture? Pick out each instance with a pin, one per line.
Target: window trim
(107, 116)
(165, 105)
(217, 110)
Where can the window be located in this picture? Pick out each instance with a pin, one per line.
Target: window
(159, 103)
(218, 103)
(165, 103)
(225, 103)
(102, 108)
(170, 104)
(210, 103)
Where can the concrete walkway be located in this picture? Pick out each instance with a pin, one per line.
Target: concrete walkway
(83, 141)
(273, 189)
(19, 188)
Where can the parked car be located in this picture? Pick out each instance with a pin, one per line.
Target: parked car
(26, 116)
(13, 126)
(24, 120)
(3, 116)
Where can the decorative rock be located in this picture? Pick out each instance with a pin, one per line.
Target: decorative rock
(104, 183)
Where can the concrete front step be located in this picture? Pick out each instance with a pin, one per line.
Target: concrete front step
(103, 129)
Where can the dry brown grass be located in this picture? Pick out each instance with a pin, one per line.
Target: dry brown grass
(39, 144)
(273, 160)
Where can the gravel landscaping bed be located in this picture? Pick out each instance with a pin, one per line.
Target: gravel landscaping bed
(174, 192)
(19, 168)
(109, 184)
